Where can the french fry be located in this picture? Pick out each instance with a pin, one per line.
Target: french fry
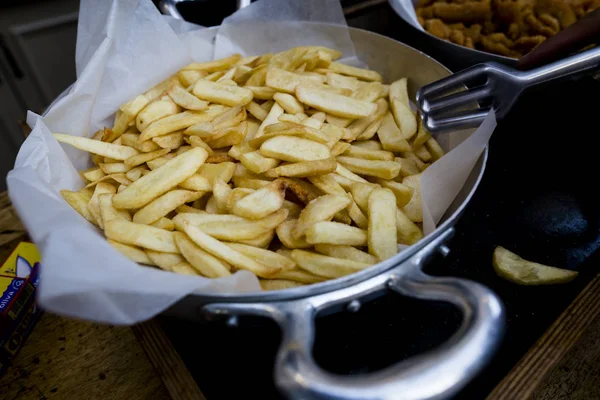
(328, 267)
(164, 261)
(79, 202)
(367, 154)
(358, 127)
(128, 113)
(262, 202)
(228, 136)
(290, 129)
(215, 65)
(356, 214)
(320, 209)
(164, 223)
(272, 118)
(288, 103)
(285, 81)
(370, 91)
(201, 130)
(278, 284)
(327, 184)
(360, 73)
(293, 149)
(163, 205)
(376, 168)
(511, 267)
(371, 129)
(132, 140)
(94, 204)
(119, 178)
(399, 90)
(368, 144)
(409, 167)
(435, 149)
(265, 257)
(114, 168)
(196, 183)
(250, 183)
(341, 81)
(338, 121)
(170, 141)
(335, 104)
(97, 147)
(93, 174)
(408, 232)
(336, 233)
(346, 173)
(133, 253)
(382, 224)
(108, 212)
(142, 158)
(402, 192)
(390, 135)
(174, 123)
(256, 111)
(404, 117)
(184, 268)
(200, 260)
(423, 154)
(361, 193)
(346, 252)
(262, 92)
(298, 275)
(223, 171)
(340, 148)
(161, 180)
(422, 136)
(190, 77)
(222, 94)
(224, 252)
(303, 169)
(263, 241)
(413, 209)
(285, 234)
(304, 191)
(141, 235)
(183, 98)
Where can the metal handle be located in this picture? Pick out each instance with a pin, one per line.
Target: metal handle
(433, 375)
(585, 61)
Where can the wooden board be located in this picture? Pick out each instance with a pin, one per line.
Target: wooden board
(525, 378)
(68, 359)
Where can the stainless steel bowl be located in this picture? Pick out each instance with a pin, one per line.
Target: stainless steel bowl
(444, 49)
(437, 374)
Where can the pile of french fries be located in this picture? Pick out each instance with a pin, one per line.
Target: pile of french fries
(290, 165)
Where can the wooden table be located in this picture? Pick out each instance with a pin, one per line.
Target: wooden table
(68, 359)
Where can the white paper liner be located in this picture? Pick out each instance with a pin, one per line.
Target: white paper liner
(124, 47)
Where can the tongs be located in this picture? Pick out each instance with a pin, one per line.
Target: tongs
(444, 107)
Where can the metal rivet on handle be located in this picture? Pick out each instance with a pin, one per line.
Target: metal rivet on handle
(444, 250)
(353, 306)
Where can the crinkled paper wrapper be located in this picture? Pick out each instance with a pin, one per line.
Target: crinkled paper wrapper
(124, 47)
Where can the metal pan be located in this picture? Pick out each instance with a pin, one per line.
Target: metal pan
(433, 375)
(445, 49)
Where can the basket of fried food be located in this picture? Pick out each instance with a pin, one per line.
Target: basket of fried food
(507, 28)
(291, 166)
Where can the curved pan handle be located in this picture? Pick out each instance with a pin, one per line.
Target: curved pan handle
(434, 375)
